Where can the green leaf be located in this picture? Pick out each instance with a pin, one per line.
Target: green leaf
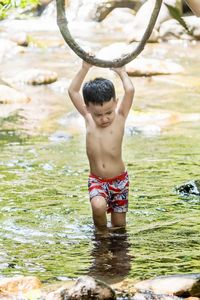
(175, 13)
(6, 5)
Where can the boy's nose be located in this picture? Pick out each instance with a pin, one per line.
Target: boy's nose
(104, 119)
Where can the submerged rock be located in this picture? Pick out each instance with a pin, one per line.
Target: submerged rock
(60, 137)
(189, 188)
(178, 285)
(9, 95)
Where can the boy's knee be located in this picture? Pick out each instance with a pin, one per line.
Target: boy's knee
(99, 205)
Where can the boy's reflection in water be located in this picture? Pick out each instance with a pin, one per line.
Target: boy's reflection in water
(111, 258)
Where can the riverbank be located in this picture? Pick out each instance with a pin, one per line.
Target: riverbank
(176, 287)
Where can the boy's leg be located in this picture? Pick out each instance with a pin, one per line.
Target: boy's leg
(118, 219)
(99, 207)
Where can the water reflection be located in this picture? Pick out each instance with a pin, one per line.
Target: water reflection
(111, 258)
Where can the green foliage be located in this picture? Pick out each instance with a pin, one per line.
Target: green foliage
(175, 14)
(6, 5)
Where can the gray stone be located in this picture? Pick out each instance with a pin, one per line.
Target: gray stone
(85, 288)
(88, 288)
(21, 38)
(189, 188)
(184, 285)
(36, 77)
(150, 67)
(171, 29)
(152, 296)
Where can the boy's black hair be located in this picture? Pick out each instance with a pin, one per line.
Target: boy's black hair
(98, 91)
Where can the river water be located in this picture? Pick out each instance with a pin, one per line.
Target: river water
(46, 227)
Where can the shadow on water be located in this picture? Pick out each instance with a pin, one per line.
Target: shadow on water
(111, 260)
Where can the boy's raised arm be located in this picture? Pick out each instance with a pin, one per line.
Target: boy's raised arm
(74, 89)
(126, 103)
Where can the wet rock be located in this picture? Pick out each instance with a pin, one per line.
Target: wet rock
(150, 67)
(139, 66)
(114, 51)
(8, 48)
(189, 188)
(21, 38)
(103, 10)
(194, 25)
(59, 294)
(178, 285)
(85, 288)
(60, 137)
(152, 296)
(88, 288)
(10, 95)
(36, 77)
(143, 16)
(137, 35)
(98, 10)
(16, 285)
(171, 29)
(124, 288)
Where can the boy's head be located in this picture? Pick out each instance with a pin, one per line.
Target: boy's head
(99, 97)
(98, 91)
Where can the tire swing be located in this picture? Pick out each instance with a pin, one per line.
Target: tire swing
(116, 63)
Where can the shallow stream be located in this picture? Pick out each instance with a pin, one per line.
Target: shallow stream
(45, 219)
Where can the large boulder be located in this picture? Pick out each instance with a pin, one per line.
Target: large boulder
(142, 19)
(185, 285)
(85, 288)
(139, 66)
(150, 67)
(36, 77)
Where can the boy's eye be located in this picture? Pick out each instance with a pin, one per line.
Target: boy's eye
(109, 113)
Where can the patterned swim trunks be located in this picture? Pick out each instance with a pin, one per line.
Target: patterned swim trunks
(114, 190)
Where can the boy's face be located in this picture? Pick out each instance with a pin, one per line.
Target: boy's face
(103, 115)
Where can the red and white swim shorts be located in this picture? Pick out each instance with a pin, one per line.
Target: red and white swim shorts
(113, 190)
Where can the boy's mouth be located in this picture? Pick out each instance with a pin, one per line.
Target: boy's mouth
(105, 124)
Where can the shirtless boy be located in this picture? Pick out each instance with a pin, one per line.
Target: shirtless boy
(105, 118)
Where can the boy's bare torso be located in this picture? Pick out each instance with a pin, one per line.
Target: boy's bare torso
(103, 146)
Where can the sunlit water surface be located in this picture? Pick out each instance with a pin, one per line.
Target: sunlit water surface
(46, 226)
